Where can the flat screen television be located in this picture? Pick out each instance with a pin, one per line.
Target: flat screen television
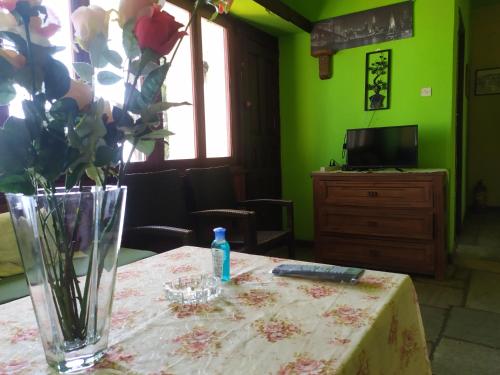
(387, 147)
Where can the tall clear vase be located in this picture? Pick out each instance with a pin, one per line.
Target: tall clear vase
(69, 243)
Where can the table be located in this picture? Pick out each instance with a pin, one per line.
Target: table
(262, 324)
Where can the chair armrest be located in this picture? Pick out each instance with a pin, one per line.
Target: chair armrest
(228, 213)
(245, 218)
(266, 202)
(186, 235)
(287, 204)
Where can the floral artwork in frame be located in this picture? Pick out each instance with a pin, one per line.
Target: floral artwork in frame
(378, 80)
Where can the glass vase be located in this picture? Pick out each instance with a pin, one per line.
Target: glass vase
(69, 243)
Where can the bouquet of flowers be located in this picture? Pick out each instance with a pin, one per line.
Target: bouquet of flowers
(68, 133)
(66, 130)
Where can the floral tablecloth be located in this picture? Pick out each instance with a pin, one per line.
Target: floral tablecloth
(262, 324)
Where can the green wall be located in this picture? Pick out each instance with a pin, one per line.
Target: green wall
(315, 113)
(484, 130)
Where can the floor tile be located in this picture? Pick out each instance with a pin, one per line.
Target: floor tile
(433, 319)
(461, 273)
(438, 296)
(453, 357)
(450, 282)
(479, 251)
(476, 326)
(484, 293)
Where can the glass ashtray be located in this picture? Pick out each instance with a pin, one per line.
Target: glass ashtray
(191, 290)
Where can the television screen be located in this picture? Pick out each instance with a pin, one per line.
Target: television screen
(388, 147)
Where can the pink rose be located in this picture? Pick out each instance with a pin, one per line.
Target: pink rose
(88, 22)
(14, 58)
(133, 9)
(158, 31)
(81, 92)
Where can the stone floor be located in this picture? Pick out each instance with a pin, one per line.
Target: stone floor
(461, 314)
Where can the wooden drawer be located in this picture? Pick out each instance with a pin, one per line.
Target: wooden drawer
(371, 222)
(382, 254)
(383, 194)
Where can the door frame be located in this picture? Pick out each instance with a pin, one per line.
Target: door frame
(459, 124)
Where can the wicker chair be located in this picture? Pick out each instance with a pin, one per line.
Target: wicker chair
(212, 202)
(156, 217)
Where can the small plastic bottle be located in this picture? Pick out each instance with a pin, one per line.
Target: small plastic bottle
(220, 254)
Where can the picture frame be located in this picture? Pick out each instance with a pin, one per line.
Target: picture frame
(378, 80)
(372, 26)
(487, 82)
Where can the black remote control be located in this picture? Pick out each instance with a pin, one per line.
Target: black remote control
(333, 273)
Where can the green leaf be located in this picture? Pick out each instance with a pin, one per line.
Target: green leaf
(113, 58)
(64, 110)
(153, 82)
(18, 183)
(104, 156)
(84, 70)
(122, 118)
(7, 92)
(150, 113)
(130, 44)
(95, 174)
(73, 176)
(51, 157)
(34, 115)
(136, 102)
(146, 147)
(97, 49)
(6, 69)
(24, 78)
(15, 146)
(163, 106)
(157, 134)
(108, 78)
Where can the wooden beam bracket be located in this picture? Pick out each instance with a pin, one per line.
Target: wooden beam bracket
(325, 58)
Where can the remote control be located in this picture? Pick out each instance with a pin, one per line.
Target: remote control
(334, 273)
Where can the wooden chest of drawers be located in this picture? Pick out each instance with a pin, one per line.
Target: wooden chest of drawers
(384, 220)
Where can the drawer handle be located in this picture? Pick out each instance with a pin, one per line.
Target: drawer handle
(374, 253)
(372, 194)
(372, 223)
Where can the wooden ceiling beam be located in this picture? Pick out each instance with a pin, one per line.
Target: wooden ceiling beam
(284, 11)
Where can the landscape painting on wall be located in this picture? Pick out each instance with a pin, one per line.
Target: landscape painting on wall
(368, 27)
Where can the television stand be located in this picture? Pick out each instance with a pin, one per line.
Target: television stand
(384, 219)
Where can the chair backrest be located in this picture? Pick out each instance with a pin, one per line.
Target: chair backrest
(156, 198)
(210, 188)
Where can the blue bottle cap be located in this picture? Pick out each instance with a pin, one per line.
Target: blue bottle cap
(220, 233)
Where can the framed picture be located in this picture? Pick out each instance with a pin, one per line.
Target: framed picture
(378, 80)
(487, 81)
(371, 26)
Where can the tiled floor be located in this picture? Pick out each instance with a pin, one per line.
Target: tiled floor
(461, 314)
(469, 339)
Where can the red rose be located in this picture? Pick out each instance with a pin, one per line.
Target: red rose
(158, 31)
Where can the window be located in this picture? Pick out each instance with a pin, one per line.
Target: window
(217, 110)
(214, 125)
(179, 88)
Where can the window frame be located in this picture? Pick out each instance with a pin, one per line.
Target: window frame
(156, 161)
